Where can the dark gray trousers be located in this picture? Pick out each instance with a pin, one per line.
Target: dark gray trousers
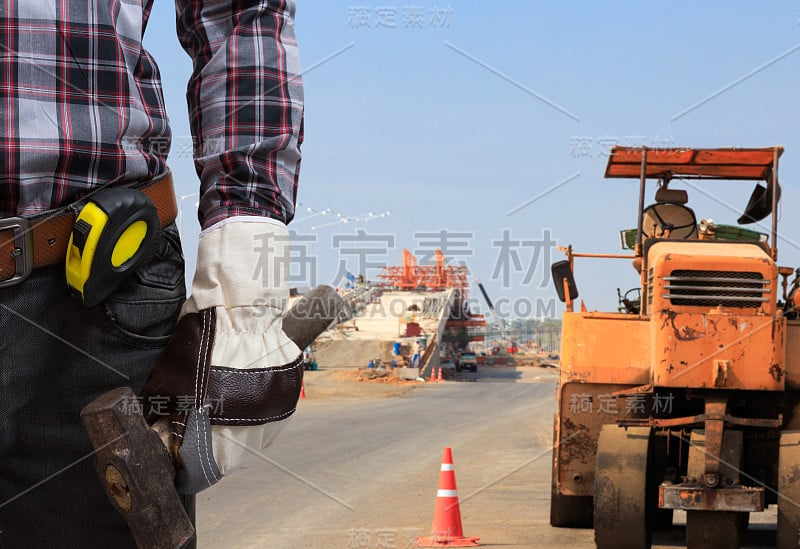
(55, 357)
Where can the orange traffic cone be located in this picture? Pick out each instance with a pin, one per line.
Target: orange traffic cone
(303, 390)
(440, 374)
(446, 530)
(433, 374)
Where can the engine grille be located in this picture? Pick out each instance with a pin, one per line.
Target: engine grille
(713, 288)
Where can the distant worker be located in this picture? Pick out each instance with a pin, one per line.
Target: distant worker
(415, 358)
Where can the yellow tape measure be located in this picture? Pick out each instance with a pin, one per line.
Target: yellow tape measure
(110, 238)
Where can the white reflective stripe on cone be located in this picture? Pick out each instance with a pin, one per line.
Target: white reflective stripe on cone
(446, 494)
(447, 467)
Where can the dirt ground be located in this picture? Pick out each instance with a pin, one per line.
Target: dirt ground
(362, 382)
(335, 383)
(349, 354)
(375, 375)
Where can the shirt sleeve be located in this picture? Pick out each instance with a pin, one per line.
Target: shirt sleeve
(245, 99)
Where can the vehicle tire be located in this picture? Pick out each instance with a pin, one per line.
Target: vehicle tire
(788, 534)
(623, 513)
(710, 529)
(662, 519)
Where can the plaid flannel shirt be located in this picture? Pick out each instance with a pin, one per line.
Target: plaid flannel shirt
(82, 106)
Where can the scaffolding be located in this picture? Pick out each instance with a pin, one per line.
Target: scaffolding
(411, 276)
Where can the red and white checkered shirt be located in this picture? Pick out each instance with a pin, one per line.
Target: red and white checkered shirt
(81, 103)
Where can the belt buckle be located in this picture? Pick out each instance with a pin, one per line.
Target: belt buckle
(22, 252)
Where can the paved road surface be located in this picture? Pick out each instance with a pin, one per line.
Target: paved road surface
(362, 472)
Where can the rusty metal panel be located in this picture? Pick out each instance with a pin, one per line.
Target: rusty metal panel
(601, 353)
(660, 170)
(583, 410)
(713, 344)
(718, 163)
(605, 348)
(719, 350)
(695, 497)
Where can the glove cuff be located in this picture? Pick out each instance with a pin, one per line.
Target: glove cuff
(242, 261)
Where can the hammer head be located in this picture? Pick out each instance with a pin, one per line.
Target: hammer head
(132, 458)
(136, 471)
(311, 315)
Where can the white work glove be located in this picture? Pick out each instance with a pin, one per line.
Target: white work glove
(229, 371)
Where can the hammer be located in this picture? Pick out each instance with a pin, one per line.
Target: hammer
(133, 459)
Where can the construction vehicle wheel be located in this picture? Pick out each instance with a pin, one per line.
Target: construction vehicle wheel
(662, 519)
(623, 497)
(567, 511)
(789, 490)
(712, 529)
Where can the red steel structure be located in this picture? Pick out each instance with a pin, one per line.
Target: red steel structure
(411, 276)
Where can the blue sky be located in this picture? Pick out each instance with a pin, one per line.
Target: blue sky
(416, 120)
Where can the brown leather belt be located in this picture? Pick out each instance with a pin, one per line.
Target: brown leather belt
(27, 244)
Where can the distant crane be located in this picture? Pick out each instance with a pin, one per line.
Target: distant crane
(497, 320)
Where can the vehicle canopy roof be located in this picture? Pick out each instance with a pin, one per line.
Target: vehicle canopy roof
(729, 163)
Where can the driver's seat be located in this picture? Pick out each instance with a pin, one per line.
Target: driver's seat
(669, 217)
